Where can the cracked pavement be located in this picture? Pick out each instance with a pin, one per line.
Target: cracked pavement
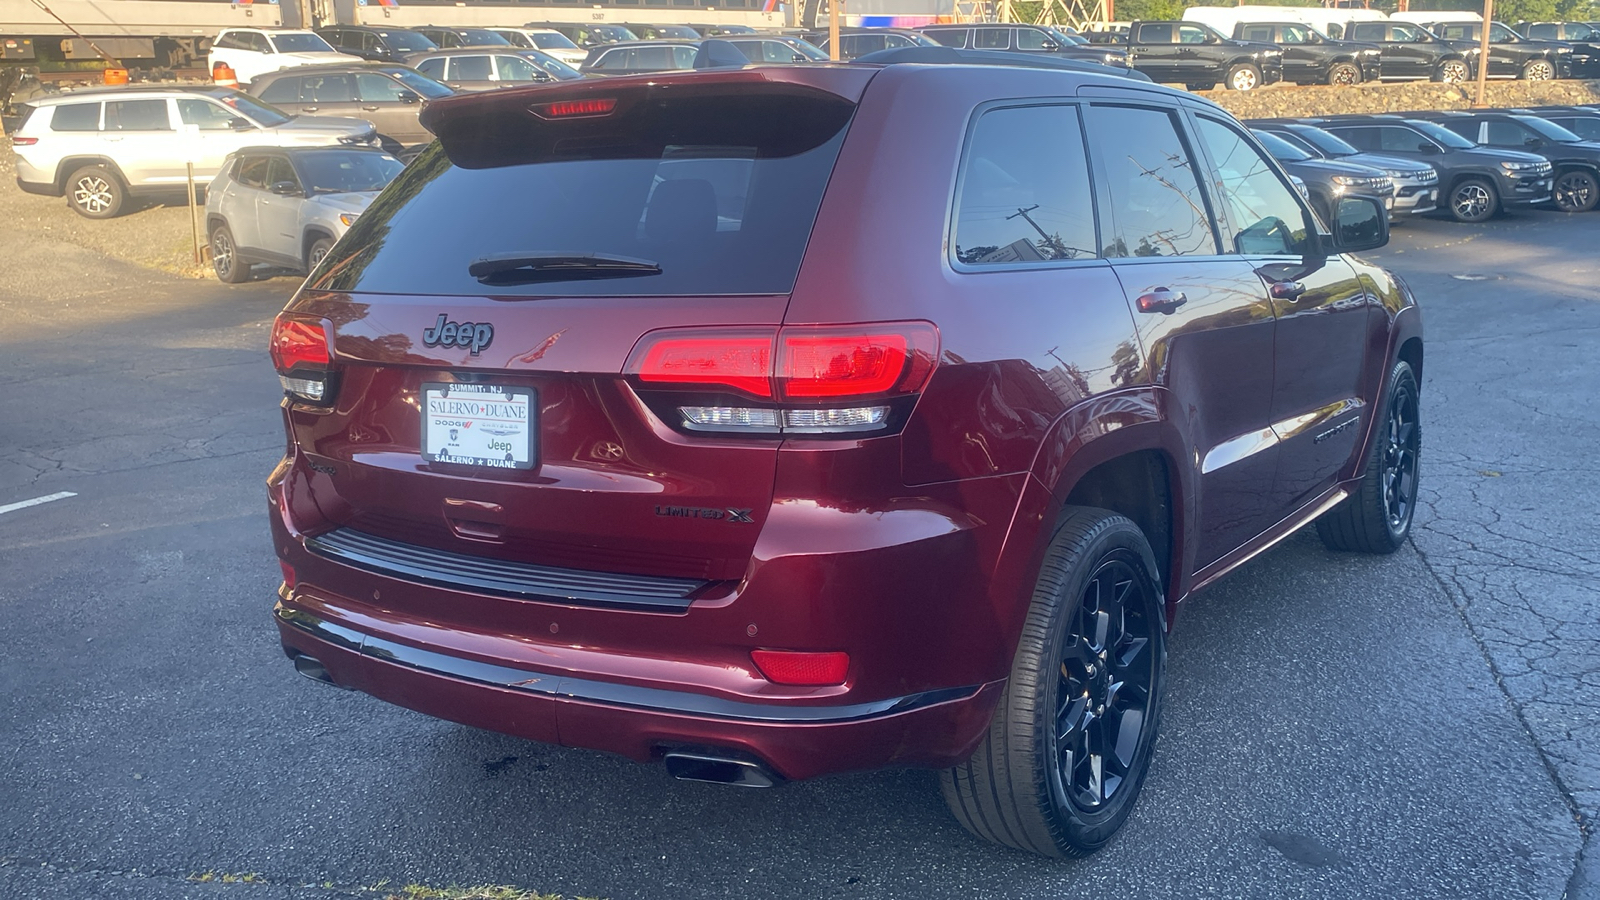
(1421, 725)
(1507, 519)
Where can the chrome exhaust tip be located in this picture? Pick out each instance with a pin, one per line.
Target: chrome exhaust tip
(686, 765)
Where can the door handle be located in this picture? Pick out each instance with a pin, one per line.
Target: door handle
(1162, 301)
(309, 108)
(370, 108)
(1286, 290)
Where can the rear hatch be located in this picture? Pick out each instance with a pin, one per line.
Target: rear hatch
(484, 309)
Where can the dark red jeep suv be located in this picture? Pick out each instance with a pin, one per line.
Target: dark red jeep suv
(781, 421)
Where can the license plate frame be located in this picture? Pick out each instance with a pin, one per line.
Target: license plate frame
(451, 410)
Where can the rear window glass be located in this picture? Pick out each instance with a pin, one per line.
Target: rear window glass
(718, 192)
(1024, 193)
(137, 115)
(76, 117)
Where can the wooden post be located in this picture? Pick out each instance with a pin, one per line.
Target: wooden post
(833, 29)
(1483, 57)
(194, 216)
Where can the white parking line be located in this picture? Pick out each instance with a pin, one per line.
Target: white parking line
(13, 507)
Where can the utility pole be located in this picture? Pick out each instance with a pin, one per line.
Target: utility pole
(1483, 57)
(833, 29)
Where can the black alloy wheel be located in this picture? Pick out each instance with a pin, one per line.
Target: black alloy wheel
(1103, 694)
(1376, 517)
(1071, 738)
(1576, 190)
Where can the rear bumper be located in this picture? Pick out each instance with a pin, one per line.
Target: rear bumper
(43, 189)
(796, 741)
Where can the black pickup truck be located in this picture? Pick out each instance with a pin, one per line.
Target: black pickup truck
(1310, 57)
(1411, 51)
(1188, 53)
(1510, 54)
(1581, 36)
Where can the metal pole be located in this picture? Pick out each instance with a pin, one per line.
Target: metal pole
(833, 29)
(194, 216)
(1483, 56)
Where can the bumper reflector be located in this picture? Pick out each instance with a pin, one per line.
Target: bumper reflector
(802, 668)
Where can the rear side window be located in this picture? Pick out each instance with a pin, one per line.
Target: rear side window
(1025, 194)
(1156, 205)
(1257, 33)
(1155, 34)
(327, 89)
(720, 192)
(283, 90)
(469, 68)
(1367, 31)
(76, 117)
(137, 115)
(1543, 32)
(991, 38)
(950, 38)
(433, 68)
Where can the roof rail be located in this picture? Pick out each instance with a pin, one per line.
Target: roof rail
(952, 56)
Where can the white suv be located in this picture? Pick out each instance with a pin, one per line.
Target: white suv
(98, 147)
(547, 39)
(255, 51)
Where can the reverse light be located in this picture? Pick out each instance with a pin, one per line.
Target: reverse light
(575, 109)
(802, 668)
(300, 352)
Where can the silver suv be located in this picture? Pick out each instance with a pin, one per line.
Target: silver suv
(99, 147)
(288, 206)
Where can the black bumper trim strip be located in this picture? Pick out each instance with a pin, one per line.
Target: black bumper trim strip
(521, 581)
(604, 692)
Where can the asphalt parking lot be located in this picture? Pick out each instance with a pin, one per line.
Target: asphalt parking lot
(1423, 725)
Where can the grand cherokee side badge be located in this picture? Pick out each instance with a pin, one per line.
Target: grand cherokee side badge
(446, 333)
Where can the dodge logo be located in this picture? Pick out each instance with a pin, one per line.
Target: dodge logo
(446, 333)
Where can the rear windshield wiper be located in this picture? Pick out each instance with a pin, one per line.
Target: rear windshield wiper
(526, 268)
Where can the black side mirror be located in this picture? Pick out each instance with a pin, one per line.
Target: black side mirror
(410, 97)
(1428, 148)
(1359, 223)
(239, 123)
(1213, 39)
(285, 189)
(1533, 142)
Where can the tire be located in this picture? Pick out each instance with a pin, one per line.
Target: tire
(1576, 190)
(225, 259)
(95, 192)
(1473, 200)
(1376, 518)
(1452, 71)
(319, 249)
(1538, 70)
(1025, 787)
(1344, 73)
(1243, 77)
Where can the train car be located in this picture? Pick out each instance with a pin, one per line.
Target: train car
(408, 13)
(140, 34)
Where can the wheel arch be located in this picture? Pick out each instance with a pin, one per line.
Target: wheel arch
(311, 235)
(67, 166)
(1119, 451)
(1411, 352)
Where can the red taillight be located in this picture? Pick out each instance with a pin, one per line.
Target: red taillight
(23, 141)
(857, 371)
(288, 574)
(574, 109)
(739, 359)
(301, 354)
(801, 668)
(854, 361)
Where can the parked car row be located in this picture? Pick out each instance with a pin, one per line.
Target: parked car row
(1485, 161)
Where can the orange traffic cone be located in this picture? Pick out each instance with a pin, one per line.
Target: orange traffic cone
(222, 74)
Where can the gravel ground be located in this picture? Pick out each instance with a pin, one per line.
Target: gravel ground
(156, 235)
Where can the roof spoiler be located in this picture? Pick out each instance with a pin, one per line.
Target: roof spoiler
(951, 56)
